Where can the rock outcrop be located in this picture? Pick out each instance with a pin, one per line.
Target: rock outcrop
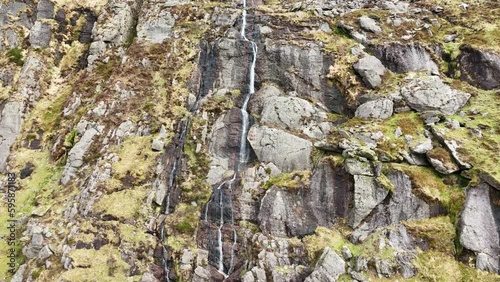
(287, 151)
(400, 58)
(479, 226)
(430, 93)
(480, 68)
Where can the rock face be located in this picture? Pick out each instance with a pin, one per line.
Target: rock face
(329, 267)
(76, 154)
(404, 58)
(302, 65)
(40, 35)
(10, 125)
(430, 93)
(123, 121)
(292, 113)
(45, 10)
(371, 70)
(479, 68)
(282, 214)
(158, 25)
(367, 195)
(479, 226)
(394, 211)
(287, 151)
(297, 212)
(378, 109)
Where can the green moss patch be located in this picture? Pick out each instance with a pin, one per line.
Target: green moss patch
(135, 158)
(293, 180)
(122, 205)
(438, 231)
(436, 266)
(15, 55)
(105, 264)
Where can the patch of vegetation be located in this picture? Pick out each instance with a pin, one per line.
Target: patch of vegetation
(122, 205)
(104, 264)
(324, 237)
(436, 266)
(293, 180)
(185, 227)
(428, 184)
(185, 220)
(337, 239)
(383, 181)
(438, 231)
(135, 158)
(70, 59)
(134, 236)
(105, 70)
(220, 103)
(482, 113)
(70, 139)
(194, 187)
(341, 73)
(15, 55)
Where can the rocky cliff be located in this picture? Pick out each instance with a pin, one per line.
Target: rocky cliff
(261, 140)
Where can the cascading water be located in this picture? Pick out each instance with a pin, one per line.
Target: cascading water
(243, 154)
(216, 201)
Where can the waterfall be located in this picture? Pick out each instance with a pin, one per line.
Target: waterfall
(239, 165)
(243, 154)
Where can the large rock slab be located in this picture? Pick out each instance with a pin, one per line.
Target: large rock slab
(480, 68)
(287, 151)
(76, 154)
(371, 70)
(369, 24)
(295, 114)
(429, 93)
(115, 26)
(233, 58)
(402, 205)
(297, 212)
(282, 214)
(40, 35)
(329, 267)
(376, 109)
(155, 24)
(45, 10)
(10, 126)
(367, 195)
(480, 226)
(401, 58)
(300, 67)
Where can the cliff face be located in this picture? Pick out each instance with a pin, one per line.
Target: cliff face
(254, 141)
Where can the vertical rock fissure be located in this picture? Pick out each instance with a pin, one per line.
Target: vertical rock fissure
(174, 156)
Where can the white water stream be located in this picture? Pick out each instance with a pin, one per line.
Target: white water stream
(242, 156)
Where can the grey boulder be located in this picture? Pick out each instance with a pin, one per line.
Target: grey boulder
(369, 24)
(40, 35)
(287, 151)
(371, 70)
(429, 93)
(330, 267)
(376, 109)
(480, 68)
(478, 226)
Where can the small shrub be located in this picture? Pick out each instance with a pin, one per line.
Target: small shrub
(185, 227)
(15, 55)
